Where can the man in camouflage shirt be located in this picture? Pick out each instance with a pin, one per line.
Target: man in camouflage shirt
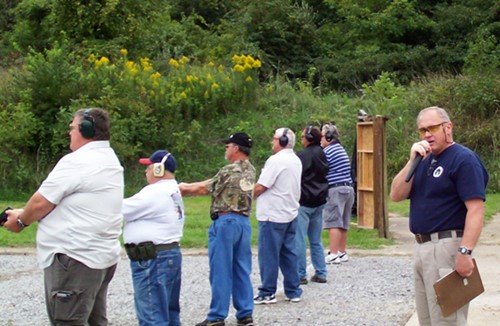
(229, 251)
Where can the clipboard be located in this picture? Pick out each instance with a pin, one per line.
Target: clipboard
(453, 291)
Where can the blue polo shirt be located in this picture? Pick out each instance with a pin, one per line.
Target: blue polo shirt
(440, 187)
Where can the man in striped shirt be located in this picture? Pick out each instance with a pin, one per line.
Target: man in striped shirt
(337, 212)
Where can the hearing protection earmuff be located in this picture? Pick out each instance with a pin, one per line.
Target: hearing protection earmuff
(283, 140)
(87, 125)
(329, 134)
(308, 135)
(159, 168)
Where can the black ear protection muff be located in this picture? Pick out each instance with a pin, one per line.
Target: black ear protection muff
(308, 135)
(159, 168)
(87, 125)
(329, 136)
(283, 140)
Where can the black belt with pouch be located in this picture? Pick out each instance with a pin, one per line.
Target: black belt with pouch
(146, 250)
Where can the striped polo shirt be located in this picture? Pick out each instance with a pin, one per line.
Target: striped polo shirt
(339, 167)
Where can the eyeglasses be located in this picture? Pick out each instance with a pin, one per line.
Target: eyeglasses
(431, 168)
(431, 129)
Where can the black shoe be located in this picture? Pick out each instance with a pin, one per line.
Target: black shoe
(303, 281)
(318, 279)
(206, 322)
(248, 321)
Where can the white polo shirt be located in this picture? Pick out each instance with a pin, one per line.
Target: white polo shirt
(281, 175)
(87, 188)
(156, 213)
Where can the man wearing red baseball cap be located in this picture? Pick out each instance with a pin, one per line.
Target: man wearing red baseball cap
(154, 220)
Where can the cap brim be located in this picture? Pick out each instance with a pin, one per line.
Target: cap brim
(145, 161)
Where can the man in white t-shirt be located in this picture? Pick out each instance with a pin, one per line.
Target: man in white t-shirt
(154, 219)
(278, 193)
(78, 209)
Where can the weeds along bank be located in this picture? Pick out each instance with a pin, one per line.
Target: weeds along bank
(187, 106)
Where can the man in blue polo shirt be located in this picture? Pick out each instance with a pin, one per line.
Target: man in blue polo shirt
(447, 196)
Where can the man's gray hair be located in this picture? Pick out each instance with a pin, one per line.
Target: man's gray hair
(440, 111)
(289, 134)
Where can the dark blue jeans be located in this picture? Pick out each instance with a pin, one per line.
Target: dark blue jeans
(277, 251)
(230, 260)
(157, 286)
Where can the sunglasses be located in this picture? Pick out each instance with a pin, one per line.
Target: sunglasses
(431, 129)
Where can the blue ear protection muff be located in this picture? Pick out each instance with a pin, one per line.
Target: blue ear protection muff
(308, 135)
(159, 168)
(87, 125)
(283, 140)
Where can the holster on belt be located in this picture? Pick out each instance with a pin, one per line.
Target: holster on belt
(142, 251)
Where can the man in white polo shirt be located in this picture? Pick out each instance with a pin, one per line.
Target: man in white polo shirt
(278, 193)
(78, 207)
(154, 219)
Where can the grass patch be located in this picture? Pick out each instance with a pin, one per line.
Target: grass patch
(491, 206)
(198, 222)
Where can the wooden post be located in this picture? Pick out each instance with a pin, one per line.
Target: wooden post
(372, 175)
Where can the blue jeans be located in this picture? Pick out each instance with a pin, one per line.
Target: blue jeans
(230, 261)
(157, 285)
(277, 251)
(310, 222)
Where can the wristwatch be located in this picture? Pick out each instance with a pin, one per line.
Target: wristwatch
(464, 250)
(20, 223)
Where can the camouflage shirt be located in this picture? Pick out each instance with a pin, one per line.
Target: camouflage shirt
(232, 188)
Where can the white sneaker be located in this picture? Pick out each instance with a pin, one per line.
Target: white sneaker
(332, 259)
(343, 257)
(294, 300)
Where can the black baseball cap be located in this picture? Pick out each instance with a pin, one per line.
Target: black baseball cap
(239, 138)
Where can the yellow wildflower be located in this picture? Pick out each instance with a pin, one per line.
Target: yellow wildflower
(174, 63)
(257, 64)
(189, 78)
(124, 52)
(131, 67)
(248, 79)
(211, 64)
(220, 68)
(101, 62)
(156, 75)
(209, 77)
(215, 86)
(236, 58)
(249, 60)
(183, 94)
(238, 68)
(146, 64)
(184, 60)
(247, 66)
(91, 58)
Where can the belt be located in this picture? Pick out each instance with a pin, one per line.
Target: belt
(216, 215)
(423, 238)
(340, 184)
(167, 246)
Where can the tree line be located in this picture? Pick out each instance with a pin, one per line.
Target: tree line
(317, 60)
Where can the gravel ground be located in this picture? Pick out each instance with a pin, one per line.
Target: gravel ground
(367, 290)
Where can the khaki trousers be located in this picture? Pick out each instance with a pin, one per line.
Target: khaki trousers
(431, 261)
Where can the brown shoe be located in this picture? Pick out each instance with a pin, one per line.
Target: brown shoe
(303, 281)
(318, 279)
